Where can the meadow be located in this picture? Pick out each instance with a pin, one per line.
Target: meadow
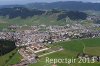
(71, 49)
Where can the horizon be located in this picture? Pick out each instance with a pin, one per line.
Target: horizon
(20, 2)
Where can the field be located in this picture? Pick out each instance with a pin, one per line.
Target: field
(71, 49)
(36, 20)
(6, 60)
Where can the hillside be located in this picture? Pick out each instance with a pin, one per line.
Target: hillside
(66, 5)
(25, 13)
(22, 16)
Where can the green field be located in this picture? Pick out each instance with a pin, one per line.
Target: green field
(7, 51)
(72, 48)
(7, 61)
(36, 20)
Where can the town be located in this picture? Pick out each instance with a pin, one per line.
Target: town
(35, 39)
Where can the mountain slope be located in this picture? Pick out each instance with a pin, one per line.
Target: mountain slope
(25, 16)
(65, 5)
(68, 5)
(25, 13)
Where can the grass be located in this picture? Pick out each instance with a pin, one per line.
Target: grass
(15, 59)
(4, 58)
(72, 48)
(61, 54)
(36, 20)
(93, 50)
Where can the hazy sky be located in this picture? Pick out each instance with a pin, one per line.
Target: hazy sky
(3, 2)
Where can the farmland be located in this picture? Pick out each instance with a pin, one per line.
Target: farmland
(71, 49)
(7, 60)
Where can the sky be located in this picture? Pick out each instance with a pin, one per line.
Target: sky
(6, 2)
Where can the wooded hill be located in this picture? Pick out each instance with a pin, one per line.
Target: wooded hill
(25, 13)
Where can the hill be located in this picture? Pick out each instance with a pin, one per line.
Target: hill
(19, 12)
(22, 16)
(25, 13)
(66, 5)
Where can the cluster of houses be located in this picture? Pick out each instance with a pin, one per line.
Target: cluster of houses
(50, 35)
(22, 63)
(93, 17)
(6, 35)
(32, 40)
(27, 55)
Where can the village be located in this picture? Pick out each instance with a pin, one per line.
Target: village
(34, 40)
